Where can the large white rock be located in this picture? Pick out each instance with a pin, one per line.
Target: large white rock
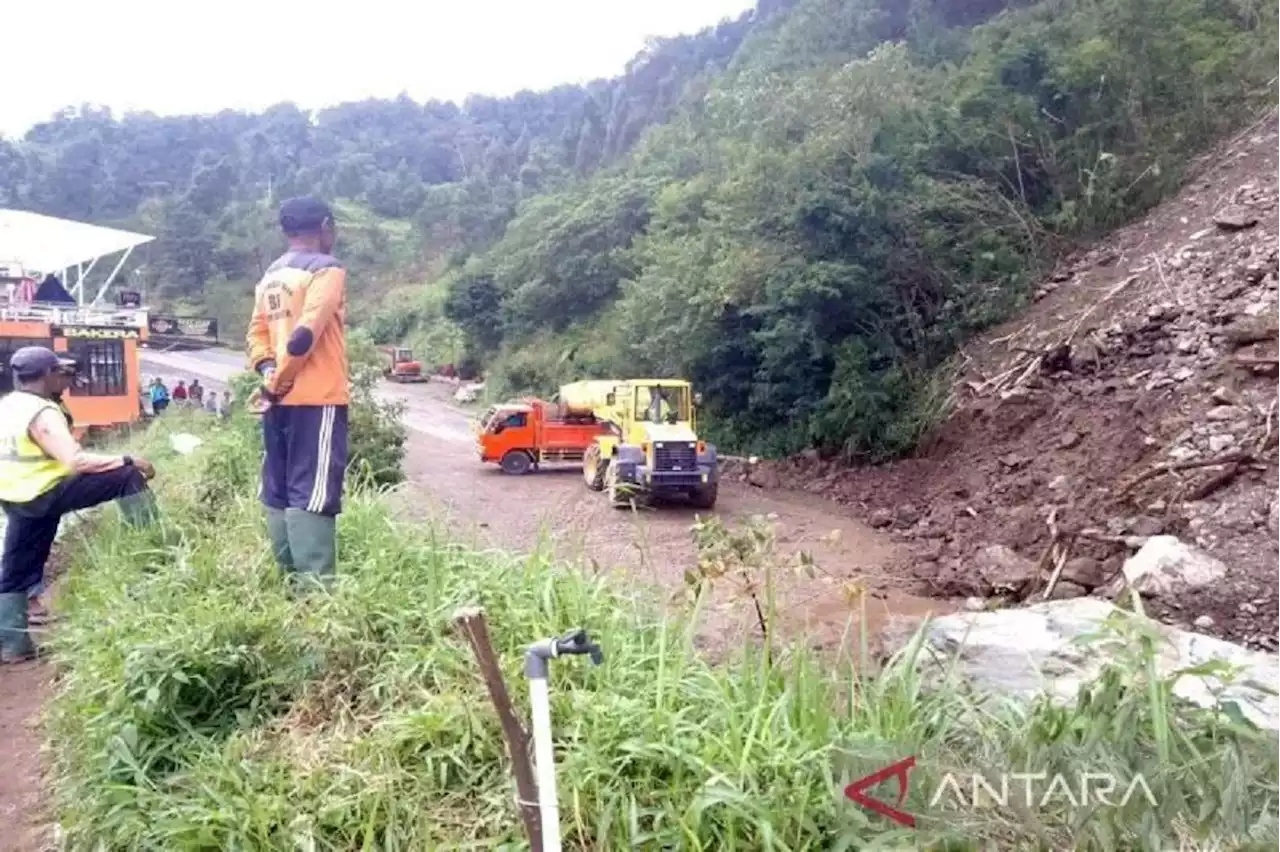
(1165, 565)
(1054, 648)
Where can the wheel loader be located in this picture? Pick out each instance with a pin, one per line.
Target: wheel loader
(651, 452)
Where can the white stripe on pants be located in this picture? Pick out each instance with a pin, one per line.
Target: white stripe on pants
(324, 459)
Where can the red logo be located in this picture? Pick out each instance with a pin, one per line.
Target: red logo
(856, 792)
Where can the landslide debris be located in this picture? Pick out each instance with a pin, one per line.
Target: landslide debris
(1135, 399)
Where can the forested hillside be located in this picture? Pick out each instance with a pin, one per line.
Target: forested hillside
(805, 210)
(416, 184)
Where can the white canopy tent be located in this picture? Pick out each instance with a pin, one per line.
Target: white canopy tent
(48, 245)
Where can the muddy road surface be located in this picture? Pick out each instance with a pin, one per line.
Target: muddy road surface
(554, 510)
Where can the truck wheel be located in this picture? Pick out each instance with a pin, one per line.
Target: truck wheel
(705, 497)
(594, 467)
(517, 462)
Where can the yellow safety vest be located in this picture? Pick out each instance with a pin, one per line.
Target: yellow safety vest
(26, 471)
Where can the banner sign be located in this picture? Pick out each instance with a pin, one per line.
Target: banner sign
(94, 332)
(193, 329)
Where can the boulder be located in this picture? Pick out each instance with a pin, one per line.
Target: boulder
(764, 475)
(1235, 218)
(1055, 648)
(1003, 570)
(880, 518)
(1085, 571)
(1166, 566)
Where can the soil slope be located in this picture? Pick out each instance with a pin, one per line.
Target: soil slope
(1094, 419)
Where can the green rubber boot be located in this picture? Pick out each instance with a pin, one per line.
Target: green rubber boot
(278, 533)
(139, 510)
(313, 545)
(15, 642)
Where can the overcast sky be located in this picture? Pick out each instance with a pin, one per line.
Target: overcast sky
(183, 57)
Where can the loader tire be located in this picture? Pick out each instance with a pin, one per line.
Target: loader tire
(705, 497)
(619, 497)
(517, 462)
(594, 467)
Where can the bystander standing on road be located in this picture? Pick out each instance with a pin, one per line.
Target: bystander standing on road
(159, 395)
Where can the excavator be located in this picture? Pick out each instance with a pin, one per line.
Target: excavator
(400, 365)
(650, 451)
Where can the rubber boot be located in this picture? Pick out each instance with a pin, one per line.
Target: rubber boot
(139, 510)
(15, 642)
(313, 546)
(278, 533)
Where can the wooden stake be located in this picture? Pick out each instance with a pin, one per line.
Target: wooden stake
(473, 625)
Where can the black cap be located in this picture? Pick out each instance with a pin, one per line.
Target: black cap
(33, 362)
(304, 215)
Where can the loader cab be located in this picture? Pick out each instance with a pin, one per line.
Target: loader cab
(660, 403)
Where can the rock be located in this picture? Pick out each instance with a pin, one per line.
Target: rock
(1223, 413)
(1248, 608)
(1145, 525)
(1067, 440)
(1220, 443)
(1085, 571)
(975, 604)
(1165, 566)
(1041, 650)
(880, 518)
(1183, 373)
(1065, 590)
(1187, 345)
(1246, 330)
(764, 476)
(1181, 454)
(906, 515)
(1203, 622)
(1223, 396)
(1273, 518)
(1003, 569)
(1234, 218)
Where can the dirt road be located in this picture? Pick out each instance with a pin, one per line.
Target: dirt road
(554, 509)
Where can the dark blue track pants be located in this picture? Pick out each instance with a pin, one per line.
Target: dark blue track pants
(306, 457)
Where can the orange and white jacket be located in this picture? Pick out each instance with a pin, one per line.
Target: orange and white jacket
(299, 312)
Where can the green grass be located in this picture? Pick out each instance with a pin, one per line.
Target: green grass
(199, 707)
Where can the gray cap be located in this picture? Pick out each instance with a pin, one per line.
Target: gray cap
(32, 362)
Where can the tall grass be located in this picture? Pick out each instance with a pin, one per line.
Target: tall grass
(199, 707)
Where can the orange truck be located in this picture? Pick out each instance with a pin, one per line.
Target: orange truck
(522, 436)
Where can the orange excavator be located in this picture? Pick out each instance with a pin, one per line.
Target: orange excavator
(400, 365)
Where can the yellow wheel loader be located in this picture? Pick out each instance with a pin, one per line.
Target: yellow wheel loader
(652, 452)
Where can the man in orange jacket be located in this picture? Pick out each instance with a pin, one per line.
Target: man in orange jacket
(297, 344)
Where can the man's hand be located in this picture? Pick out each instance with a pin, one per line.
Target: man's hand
(257, 404)
(147, 468)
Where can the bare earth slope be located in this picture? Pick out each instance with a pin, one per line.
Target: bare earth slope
(1156, 347)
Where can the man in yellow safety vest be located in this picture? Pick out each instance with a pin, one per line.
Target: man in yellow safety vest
(45, 474)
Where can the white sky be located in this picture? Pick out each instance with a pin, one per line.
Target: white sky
(181, 56)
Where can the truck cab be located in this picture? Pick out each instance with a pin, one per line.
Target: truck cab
(522, 436)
